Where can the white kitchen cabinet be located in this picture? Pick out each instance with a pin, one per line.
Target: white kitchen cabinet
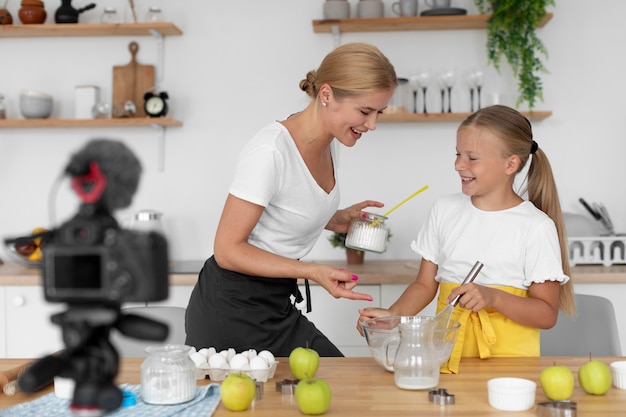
(28, 329)
(178, 297)
(336, 318)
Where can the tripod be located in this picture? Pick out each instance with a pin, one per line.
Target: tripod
(89, 358)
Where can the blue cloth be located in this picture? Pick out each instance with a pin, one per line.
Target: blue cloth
(204, 404)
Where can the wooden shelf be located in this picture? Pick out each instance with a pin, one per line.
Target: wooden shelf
(89, 29)
(445, 117)
(408, 23)
(82, 123)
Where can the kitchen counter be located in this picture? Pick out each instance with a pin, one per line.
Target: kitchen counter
(361, 388)
(371, 272)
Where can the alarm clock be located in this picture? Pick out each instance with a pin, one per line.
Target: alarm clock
(155, 105)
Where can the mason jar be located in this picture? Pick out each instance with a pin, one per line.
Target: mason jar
(368, 233)
(109, 15)
(168, 375)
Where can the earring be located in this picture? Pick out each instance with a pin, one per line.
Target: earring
(323, 103)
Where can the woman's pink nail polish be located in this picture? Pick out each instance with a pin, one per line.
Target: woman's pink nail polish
(355, 277)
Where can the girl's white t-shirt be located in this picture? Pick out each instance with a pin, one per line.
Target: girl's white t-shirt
(517, 246)
(270, 172)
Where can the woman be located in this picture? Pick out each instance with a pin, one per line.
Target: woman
(283, 195)
(521, 242)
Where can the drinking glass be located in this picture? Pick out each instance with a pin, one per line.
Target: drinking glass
(423, 78)
(414, 84)
(447, 78)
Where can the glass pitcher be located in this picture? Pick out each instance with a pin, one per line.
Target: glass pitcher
(416, 364)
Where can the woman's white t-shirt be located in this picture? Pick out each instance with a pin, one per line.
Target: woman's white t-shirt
(517, 246)
(270, 172)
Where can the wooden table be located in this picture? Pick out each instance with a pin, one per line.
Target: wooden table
(361, 388)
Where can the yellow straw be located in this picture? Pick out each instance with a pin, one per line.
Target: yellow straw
(376, 221)
(405, 200)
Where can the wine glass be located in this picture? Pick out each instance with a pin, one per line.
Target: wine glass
(442, 88)
(479, 79)
(447, 78)
(423, 78)
(414, 83)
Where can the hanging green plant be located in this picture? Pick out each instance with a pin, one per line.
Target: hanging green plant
(511, 33)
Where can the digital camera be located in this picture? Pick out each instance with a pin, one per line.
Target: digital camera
(90, 259)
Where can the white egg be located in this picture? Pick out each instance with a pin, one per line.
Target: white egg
(204, 352)
(217, 361)
(192, 350)
(198, 358)
(211, 351)
(258, 363)
(251, 353)
(268, 356)
(238, 361)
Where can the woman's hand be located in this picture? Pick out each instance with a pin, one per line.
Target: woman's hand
(340, 221)
(338, 282)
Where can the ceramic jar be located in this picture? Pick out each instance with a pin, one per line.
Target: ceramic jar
(5, 17)
(32, 12)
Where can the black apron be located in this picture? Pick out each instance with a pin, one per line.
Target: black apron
(232, 310)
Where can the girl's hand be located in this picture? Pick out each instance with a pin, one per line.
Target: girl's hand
(370, 313)
(473, 296)
(340, 221)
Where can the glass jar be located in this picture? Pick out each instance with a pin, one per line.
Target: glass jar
(109, 15)
(154, 14)
(3, 108)
(368, 233)
(168, 375)
(400, 100)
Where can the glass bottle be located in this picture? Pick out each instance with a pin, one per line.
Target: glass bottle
(168, 375)
(109, 15)
(3, 108)
(154, 14)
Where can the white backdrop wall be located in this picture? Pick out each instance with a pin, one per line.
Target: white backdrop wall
(237, 67)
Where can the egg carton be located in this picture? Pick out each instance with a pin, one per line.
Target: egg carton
(218, 374)
(597, 250)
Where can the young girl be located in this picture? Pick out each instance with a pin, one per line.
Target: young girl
(525, 278)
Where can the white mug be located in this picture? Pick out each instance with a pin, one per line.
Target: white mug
(438, 4)
(336, 9)
(370, 8)
(405, 7)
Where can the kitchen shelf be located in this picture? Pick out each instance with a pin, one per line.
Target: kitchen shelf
(78, 123)
(89, 29)
(445, 117)
(384, 24)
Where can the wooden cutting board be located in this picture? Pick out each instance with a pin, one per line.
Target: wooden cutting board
(130, 83)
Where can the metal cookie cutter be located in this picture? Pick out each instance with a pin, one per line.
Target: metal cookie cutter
(556, 409)
(287, 386)
(440, 396)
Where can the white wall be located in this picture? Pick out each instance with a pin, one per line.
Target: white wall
(237, 67)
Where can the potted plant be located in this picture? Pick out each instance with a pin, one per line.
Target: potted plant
(511, 34)
(353, 256)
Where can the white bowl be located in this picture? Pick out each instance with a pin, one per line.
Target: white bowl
(35, 105)
(511, 394)
(618, 371)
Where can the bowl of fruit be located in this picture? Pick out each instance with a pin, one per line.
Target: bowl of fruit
(26, 250)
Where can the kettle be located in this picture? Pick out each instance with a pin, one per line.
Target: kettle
(68, 14)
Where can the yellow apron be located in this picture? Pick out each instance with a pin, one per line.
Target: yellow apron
(487, 333)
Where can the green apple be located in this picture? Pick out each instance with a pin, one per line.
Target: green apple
(313, 396)
(595, 377)
(304, 362)
(557, 382)
(237, 391)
